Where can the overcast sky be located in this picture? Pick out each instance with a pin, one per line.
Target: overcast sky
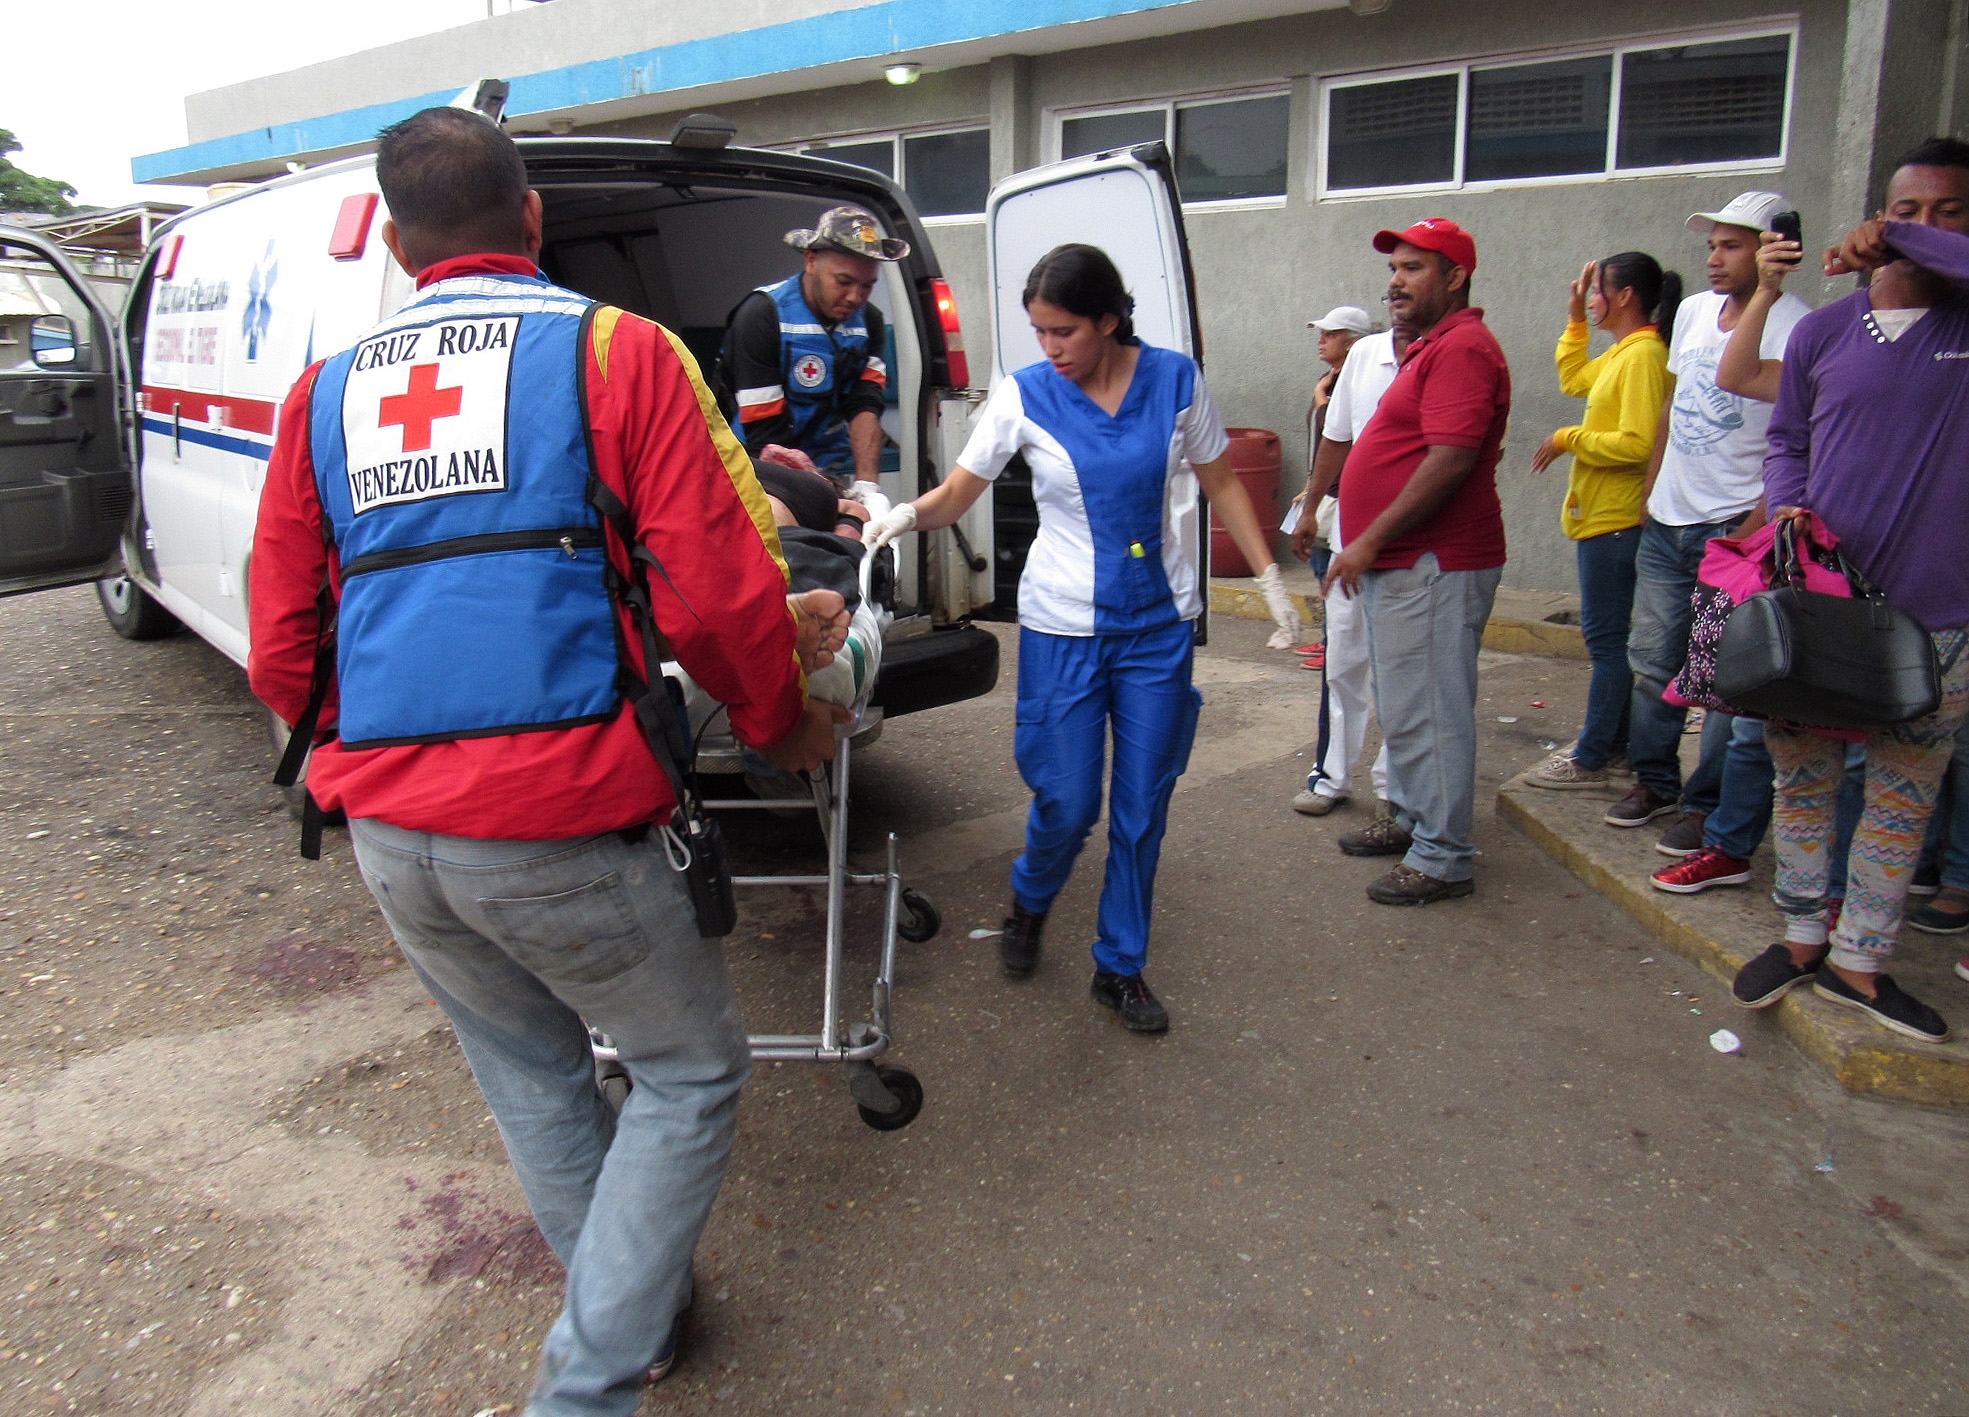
(90, 86)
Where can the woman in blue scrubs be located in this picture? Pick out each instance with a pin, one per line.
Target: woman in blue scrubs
(1111, 428)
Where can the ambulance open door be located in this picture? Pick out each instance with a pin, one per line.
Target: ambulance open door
(65, 478)
(1126, 203)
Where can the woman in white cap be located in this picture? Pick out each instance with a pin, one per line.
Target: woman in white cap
(1111, 428)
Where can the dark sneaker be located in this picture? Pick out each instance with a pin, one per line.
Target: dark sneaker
(1768, 978)
(1639, 807)
(1129, 996)
(1927, 881)
(1018, 942)
(666, 1356)
(1685, 837)
(1700, 870)
(1903, 1013)
(1404, 885)
(1383, 836)
(1937, 921)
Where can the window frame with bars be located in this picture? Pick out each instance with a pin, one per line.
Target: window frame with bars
(1611, 169)
(1057, 119)
(898, 140)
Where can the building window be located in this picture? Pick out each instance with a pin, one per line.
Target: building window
(1225, 149)
(1708, 103)
(946, 174)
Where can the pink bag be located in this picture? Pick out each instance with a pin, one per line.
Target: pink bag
(1731, 572)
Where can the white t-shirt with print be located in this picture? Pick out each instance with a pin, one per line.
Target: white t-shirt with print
(1713, 466)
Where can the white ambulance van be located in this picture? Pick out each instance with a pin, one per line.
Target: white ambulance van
(132, 451)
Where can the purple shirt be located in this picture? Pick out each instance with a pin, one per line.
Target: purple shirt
(1873, 435)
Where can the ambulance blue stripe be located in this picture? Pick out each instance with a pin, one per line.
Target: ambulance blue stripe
(867, 31)
(205, 438)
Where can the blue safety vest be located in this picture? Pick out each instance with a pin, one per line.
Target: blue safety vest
(474, 600)
(818, 367)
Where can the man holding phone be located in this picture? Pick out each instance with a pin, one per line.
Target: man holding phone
(1706, 477)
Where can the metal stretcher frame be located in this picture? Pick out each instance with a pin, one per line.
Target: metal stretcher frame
(888, 1097)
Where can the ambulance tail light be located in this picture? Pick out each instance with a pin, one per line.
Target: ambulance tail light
(957, 363)
(167, 259)
(351, 234)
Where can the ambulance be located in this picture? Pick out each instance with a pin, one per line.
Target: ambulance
(133, 449)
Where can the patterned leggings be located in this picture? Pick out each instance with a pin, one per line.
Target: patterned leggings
(1904, 768)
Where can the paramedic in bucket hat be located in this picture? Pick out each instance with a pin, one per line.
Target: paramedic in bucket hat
(803, 361)
(441, 488)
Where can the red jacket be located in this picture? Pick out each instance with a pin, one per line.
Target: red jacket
(659, 443)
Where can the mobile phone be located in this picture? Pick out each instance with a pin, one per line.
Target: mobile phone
(1787, 225)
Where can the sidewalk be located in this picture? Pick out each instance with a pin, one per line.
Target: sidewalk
(1521, 622)
(1720, 929)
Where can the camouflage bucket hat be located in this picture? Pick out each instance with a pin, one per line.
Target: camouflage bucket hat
(850, 230)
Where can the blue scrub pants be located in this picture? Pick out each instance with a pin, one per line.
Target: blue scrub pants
(1072, 689)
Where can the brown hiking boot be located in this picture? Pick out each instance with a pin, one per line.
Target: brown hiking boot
(1383, 836)
(1404, 885)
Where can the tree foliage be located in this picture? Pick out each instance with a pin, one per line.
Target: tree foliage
(24, 192)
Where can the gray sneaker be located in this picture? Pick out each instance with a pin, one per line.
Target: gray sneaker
(1314, 804)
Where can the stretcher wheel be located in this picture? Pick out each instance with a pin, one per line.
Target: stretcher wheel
(919, 920)
(904, 1087)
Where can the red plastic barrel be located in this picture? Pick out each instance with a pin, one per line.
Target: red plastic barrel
(1255, 460)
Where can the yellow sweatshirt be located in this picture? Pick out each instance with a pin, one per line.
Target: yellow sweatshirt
(1626, 391)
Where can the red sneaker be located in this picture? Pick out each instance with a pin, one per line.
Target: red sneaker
(1700, 870)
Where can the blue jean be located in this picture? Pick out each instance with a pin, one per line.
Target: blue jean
(1072, 690)
(1657, 648)
(1743, 814)
(523, 944)
(1606, 604)
(1946, 849)
(1424, 627)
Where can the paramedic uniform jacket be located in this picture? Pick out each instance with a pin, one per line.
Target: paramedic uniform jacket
(653, 437)
(798, 383)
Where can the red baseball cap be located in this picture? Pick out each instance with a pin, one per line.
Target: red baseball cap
(1434, 233)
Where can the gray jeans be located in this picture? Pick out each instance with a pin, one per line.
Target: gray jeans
(1424, 626)
(523, 943)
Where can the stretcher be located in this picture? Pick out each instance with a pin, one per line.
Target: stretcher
(887, 1096)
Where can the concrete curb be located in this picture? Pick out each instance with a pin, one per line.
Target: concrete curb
(1861, 1055)
(1507, 633)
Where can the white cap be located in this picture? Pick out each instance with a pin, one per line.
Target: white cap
(1350, 318)
(1751, 209)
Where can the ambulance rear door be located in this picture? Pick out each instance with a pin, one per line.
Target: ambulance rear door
(1126, 203)
(65, 482)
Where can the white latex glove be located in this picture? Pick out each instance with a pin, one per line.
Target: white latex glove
(1271, 581)
(885, 528)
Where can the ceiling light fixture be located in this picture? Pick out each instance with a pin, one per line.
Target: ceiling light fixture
(903, 73)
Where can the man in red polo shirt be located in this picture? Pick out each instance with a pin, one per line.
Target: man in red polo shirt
(1424, 550)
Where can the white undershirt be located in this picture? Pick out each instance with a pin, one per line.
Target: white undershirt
(1895, 323)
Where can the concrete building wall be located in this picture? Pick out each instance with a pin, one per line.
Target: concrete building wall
(1262, 273)
(1871, 77)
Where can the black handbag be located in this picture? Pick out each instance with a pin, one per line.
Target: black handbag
(1825, 661)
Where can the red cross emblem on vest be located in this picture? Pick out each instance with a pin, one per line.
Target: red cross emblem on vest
(418, 407)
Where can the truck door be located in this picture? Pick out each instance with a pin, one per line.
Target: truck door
(65, 484)
(1124, 202)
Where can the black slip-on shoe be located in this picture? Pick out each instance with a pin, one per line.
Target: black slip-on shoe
(1901, 1012)
(1936, 921)
(1129, 996)
(1768, 978)
(1018, 942)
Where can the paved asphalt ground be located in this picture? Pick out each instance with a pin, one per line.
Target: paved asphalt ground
(1474, 1158)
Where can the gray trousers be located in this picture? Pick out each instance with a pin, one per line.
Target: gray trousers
(1424, 626)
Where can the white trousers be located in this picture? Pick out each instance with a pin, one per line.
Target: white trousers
(1348, 701)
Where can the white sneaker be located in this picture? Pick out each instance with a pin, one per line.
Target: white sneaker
(1314, 804)
(1562, 773)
